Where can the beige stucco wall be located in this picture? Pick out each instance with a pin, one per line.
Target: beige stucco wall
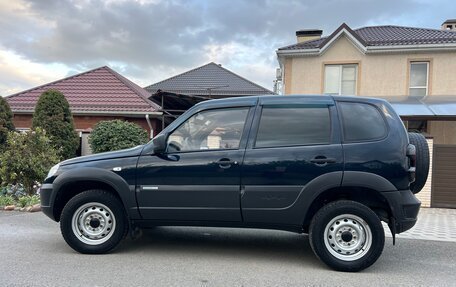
(443, 132)
(383, 74)
(378, 74)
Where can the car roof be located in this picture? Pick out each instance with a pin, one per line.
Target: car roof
(282, 99)
(253, 100)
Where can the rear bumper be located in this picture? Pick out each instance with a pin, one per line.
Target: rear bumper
(45, 196)
(404, 207)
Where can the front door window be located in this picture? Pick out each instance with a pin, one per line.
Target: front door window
(209, 130)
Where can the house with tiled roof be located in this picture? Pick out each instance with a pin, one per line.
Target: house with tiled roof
(210, 81)
(96, 95)
(413, 68)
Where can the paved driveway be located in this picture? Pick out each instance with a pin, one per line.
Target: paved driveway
(33, 253)
(433, 224)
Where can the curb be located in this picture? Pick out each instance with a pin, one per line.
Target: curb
(30, 208)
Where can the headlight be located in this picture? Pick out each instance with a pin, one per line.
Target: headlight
(53, 170)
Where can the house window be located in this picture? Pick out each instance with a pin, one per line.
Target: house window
(341, 79)
(419, 79)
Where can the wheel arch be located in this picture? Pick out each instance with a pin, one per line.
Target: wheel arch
(73, 182)
(369, 197)
(362, 187)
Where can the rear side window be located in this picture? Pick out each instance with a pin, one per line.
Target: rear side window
(362, 122)
(293, 126)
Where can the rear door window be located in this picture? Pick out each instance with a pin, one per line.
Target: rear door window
(292, 126)
(362, 122)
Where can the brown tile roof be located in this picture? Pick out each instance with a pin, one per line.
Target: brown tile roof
(209, 80)
(98, 91)
(384, 36)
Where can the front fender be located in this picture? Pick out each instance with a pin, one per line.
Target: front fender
(125, 191)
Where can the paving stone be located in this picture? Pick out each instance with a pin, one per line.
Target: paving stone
(433, 224)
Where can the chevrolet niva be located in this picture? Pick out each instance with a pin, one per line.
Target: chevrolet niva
(332, 167)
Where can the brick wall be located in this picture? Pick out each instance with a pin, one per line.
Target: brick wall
(86, 123)
(22, 121)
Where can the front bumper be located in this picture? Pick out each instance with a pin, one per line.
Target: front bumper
(404, 207)
(45, 196)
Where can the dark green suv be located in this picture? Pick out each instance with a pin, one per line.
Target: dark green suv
(332, 167)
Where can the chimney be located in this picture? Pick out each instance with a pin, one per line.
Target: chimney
(449, 25)
(308, 34)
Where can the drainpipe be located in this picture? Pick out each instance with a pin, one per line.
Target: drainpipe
(150, 126)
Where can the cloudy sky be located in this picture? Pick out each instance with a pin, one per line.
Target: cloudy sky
(151, 40)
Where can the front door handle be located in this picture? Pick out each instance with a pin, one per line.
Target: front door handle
(226, 163)
(321, 160)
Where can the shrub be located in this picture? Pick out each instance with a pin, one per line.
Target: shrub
(16, 190)
(6, 200)
(28, 200)
(115, 135)
(52, 113)
(6, 121)
(27, 159)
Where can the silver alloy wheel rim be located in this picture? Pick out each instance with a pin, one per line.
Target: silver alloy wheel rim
(348, 226)
(89, 234)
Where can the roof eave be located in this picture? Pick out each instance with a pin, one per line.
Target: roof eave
(350, 35)
(374, 49)
(411, 48)
(298, 52)
(342, 30)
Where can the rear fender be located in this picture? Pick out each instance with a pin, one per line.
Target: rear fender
(367, 180)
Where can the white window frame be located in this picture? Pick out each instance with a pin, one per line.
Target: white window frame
(340, 66)
(427, 77)
(22, 130)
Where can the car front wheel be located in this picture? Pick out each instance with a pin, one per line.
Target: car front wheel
(347, 235)
(93, 222)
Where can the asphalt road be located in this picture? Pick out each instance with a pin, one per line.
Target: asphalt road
(33, 253)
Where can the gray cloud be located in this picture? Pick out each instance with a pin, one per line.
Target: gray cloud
(153, 40)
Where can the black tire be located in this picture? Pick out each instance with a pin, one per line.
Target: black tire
(329, 245)
(99, 210)
(422, 161)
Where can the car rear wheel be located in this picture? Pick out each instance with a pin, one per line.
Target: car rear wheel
(347, 236)
(93, 222)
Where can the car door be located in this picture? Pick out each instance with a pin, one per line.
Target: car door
(293, 144)
(198, 177)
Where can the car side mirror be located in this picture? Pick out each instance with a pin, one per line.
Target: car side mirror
(160, 143)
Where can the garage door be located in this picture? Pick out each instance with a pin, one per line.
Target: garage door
(444, 176)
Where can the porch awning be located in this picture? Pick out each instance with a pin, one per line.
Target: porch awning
(441, 105)
(430, 106)
(175, 102)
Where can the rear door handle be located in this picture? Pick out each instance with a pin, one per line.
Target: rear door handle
(226, 163)
(323, 160)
